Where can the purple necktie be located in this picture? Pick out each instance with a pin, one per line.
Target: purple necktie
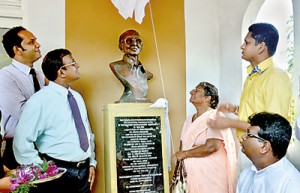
(35, 80)
(84, 143)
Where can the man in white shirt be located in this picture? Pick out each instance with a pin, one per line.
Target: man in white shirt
(17, 83)
(265, 144)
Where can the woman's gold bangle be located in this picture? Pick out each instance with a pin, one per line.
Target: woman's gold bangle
(186, 154)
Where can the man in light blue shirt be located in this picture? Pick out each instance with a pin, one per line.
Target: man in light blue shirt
(47, 122)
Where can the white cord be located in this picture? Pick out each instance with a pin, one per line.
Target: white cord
(157, 53)
(160, 70)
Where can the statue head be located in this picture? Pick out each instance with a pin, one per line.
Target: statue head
(130, 42)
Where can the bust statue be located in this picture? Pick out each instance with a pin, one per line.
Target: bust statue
(130, 71)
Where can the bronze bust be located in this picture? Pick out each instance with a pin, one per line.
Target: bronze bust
(130, 71)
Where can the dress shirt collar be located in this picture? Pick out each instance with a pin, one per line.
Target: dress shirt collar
(261, 66)
(22, 67)
(275, 165)
(130, 62)
(58, 88)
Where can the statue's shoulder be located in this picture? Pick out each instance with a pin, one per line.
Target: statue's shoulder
(118, 65)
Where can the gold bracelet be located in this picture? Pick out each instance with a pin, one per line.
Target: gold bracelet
(186, 154)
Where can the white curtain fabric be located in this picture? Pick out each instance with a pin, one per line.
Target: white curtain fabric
(127, 7)
(163, 103)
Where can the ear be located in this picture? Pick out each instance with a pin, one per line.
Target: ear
(17, 50)
(208, 98)
(61, 73)
(266, 147)
(262, 47)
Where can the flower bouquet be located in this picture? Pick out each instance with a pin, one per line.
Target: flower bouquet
(26, 176)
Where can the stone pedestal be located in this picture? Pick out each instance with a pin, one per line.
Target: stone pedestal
(135, 149)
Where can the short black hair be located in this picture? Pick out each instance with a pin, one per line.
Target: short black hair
(11, 38)
(53, 61)
(267, 33)
(275, 129)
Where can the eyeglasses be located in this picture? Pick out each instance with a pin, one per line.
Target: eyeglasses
(130, 40)
(70, 64)
(254, 136)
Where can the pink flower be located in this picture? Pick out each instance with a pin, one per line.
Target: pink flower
(25, 174)
(13, 186)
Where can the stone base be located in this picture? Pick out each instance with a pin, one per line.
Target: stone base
(135, 148)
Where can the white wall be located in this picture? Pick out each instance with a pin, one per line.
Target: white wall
(213, 45)
(231, 38)
(46, 20)
(296, 72)
(202, 45)
(10, 13)
(213, 39)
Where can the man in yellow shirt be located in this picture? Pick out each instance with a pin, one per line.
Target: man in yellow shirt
(266, 88)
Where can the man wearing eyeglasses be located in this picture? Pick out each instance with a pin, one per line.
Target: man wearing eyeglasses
(130, 71)
(18, 82)
(56, 120)
(265, 143)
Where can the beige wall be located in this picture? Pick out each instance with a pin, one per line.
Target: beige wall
(92, 31)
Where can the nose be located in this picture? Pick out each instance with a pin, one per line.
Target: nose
(134, 42)
(192, 91)
(38, 45)
(242, 46)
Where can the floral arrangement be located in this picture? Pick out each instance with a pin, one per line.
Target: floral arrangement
(25, 175)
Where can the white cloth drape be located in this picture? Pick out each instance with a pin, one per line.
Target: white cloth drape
(127, 7)
(163, 103)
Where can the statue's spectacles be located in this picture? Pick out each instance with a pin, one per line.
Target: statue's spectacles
(130, 40)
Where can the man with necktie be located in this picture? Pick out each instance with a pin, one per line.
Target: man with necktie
(18, 82)
(55, 120)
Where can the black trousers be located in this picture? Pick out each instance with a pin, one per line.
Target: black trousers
(9, 159)
(75, 180)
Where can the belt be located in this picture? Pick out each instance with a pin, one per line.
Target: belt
(78, 165)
